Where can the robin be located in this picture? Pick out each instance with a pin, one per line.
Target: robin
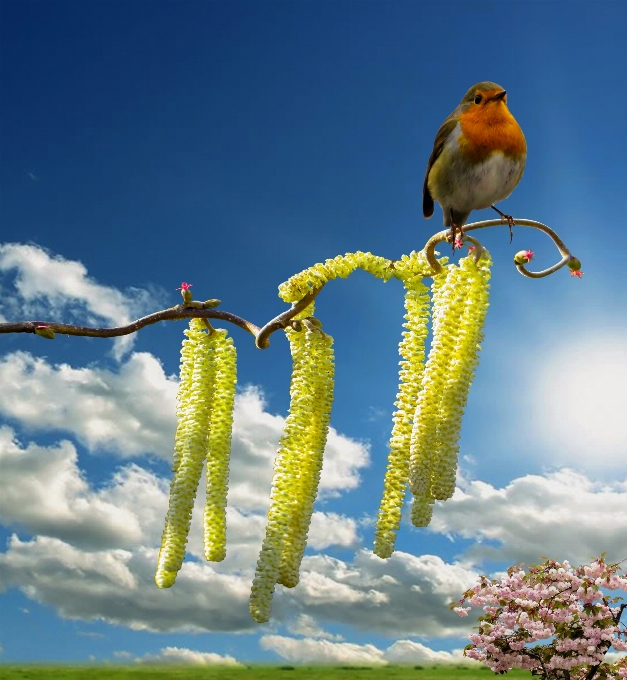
(478, 158)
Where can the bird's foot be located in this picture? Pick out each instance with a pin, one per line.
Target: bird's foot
(454, 238)
(506, 219)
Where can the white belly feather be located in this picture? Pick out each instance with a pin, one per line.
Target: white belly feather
(456, 183)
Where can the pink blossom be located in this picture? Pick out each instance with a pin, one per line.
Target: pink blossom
(462, 611)
(555, 602)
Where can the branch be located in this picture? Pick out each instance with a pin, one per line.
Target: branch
(205, 310)
(444, 235)
(172, 314)
(282, 320)
(191, 310)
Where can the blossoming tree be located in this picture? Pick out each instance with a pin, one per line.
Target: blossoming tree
(552, 600)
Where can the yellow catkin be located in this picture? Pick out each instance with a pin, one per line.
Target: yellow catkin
(301, 284)
(296, 468)
(182, 399)
(421, 510)
(195, 410)
(408, 268)
(448, 300)
(412, 350)
(460, 307)
(219, 445)
(305, 485)
(461, 373)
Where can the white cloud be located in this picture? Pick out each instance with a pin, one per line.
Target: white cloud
(403, 595)
(578, 394)
(563, 515)
(307, 626)
(310, 651)
(50, 284)
(129, 412)
(117, 586)
(96, 551)
(117, 529)
(329, 529)
(316, 651)
(42, 490)
(409, 651)
(183, 656)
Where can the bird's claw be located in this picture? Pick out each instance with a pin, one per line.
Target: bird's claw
(509, 220)
(456, 239)
(506, 219)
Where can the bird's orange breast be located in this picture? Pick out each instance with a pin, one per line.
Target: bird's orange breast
(488, 129)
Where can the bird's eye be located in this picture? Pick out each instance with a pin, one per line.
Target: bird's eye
(478, 99)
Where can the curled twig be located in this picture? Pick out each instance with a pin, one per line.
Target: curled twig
(262, 339)
(443, 235)
(478, 247)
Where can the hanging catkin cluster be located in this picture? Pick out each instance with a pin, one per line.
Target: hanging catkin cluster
(412, 350)
(205, 414)
(460, 305)
(297, 467)
(423, 445)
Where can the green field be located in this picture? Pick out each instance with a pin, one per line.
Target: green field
(285, 672)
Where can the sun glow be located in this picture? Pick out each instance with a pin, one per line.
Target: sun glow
(580, 401)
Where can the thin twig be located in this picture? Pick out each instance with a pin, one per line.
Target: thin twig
(197, 310)
(171, 314)
(191, 311)
(443, 235)
(262, 339)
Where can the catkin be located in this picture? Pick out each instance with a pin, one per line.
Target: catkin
(219, 446)
(412, 350)
(296, 469)
(195, 399)
(460, 302)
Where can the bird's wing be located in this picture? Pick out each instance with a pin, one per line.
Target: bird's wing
(440, 139)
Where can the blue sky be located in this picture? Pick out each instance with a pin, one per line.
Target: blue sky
(232, 144)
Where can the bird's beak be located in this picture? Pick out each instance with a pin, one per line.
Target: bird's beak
(498, 96)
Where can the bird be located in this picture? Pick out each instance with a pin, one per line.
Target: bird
(478, 158)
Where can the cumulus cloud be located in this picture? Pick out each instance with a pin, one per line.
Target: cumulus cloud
(42, 490)
(117, 586)
(317, 651)
(46, 284)
(130, 412)
(403, 595)
(564, 515)
(329, 529)
(409, 651)
(307, 626)
(309, 651)
(182, 656)
(86, 534)
(96, 550)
